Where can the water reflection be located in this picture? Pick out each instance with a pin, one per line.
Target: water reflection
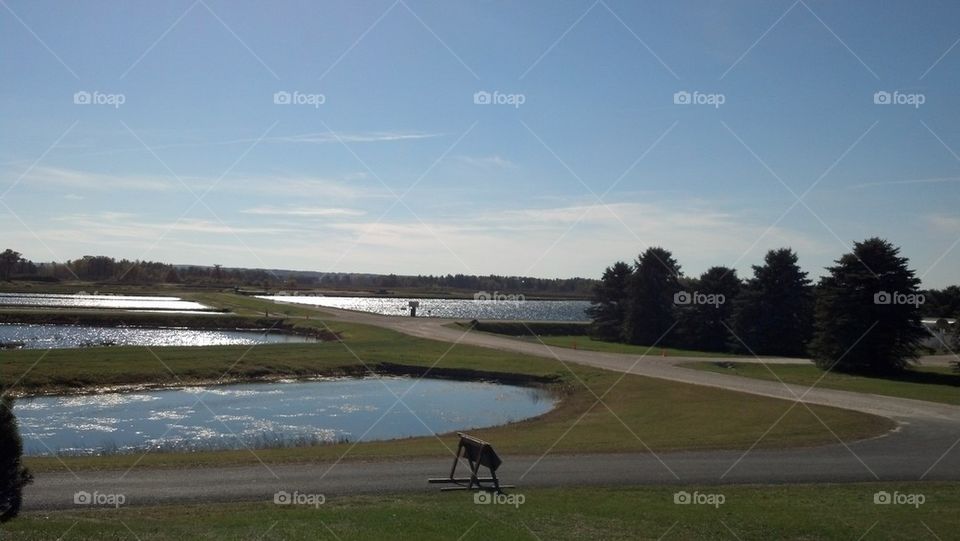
(99, 301)
(73, 336)
(528, 310)
(269, 414)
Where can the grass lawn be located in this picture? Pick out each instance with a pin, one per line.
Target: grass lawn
(665, 415)
(793, 512)
(589, 344)
(931, 383)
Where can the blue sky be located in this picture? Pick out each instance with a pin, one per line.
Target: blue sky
(399, 170)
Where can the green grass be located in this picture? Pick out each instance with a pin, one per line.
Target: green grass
(589, 344)
(793, 512)
(664, 415)
(931, 383)
(524, 328)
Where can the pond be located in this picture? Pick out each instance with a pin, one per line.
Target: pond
(258, 415)
(16, 335)
(126, 302)
(527, 310)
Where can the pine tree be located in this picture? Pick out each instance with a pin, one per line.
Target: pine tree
(773, 315)
(868, 315)
(13, 476)
(650, 309)
(609, 304)
(704, 325)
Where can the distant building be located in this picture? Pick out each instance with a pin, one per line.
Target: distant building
(939, 334)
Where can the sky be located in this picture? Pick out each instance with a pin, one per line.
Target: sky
(539, 138)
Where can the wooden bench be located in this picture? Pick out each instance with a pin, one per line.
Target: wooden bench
(477, 453)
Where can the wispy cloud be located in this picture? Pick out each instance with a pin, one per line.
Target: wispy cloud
(934, 180)
(126, 225)
(302, 138)
(338, 188)
(371, 137)
(87, 180)
(946, 224)
(488, 161)
(303, 211)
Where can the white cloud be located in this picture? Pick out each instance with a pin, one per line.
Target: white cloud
(87, 180)
(908, 181)
(345, 187)
(368, 137)
(942, 223)
(557, 241)
(303, 211)
(488, 161)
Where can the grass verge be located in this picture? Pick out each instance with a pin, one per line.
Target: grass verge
(792, 512)
(589, 344)
(930, 383)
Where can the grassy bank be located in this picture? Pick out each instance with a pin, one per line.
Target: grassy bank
(931, 383)
(664, 415)
(589, 344)
(525, 328)
(572, 335)
(800, 512)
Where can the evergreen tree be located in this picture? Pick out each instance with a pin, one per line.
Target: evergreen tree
(868, 315)
(609, 304)
(13, 476)
(773, 314)
(650, 309)
(704, 320)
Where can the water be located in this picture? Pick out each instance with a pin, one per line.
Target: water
(268, 414)
(74, 336)
(44, 300)
(453, 308)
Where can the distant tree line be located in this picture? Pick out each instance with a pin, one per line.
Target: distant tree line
(467, 282)
(864, 316)
(107, 269)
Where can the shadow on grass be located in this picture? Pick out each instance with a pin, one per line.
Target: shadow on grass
(925, 377)
(929, 378)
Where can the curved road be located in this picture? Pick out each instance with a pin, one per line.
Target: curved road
(925, 446)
